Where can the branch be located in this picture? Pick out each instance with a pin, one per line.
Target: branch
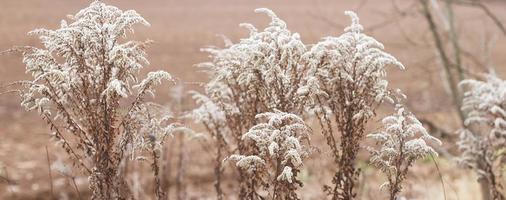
(447, 64)
(487, 11)
(65, 143)
(454, 39)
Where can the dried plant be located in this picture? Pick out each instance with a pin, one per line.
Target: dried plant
(346, 83)
(156, 125)
(85, 85)
(213, 119)
(82, 78)
(457, 62)
(180, 106)
(482, 143)
(261, 73)
(278, 154)
(402, 141)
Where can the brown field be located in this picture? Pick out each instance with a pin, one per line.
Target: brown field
(181, 28)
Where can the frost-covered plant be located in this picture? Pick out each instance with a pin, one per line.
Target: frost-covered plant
(83, 77)
(401, 142)
(260, 73)
(277, 156)
(346, 83)
(483, 140)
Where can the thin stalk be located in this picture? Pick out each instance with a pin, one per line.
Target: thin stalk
(49, 172)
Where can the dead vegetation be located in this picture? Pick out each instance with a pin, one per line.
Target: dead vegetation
(268, 96)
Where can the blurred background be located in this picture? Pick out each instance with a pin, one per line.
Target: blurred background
(180, 29)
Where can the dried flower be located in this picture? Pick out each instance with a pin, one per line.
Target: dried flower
(345, 84)
(260, 73)
(278, 151)
(402, 141)
(81, 79)
(483, 140)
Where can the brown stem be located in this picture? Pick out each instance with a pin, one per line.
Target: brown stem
(160, 195)
(181, 190)
(73, 180)
(49, 173)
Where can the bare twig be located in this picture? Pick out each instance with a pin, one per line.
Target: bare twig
(180, 185)
(454, 39)
(487, 11)
(49, 172)
(78, 193)
(439, 174)
(167, 167)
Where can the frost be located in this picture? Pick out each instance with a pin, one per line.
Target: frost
(273, 148)
(97, 66)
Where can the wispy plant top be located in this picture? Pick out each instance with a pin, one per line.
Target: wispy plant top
(85, 67)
